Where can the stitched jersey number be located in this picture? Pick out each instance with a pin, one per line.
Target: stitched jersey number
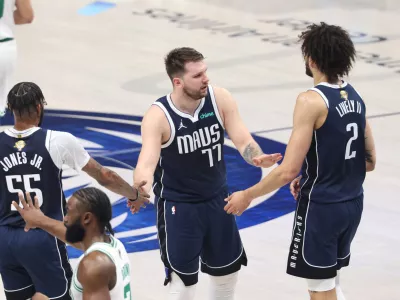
(1, 8)
(351, 127)
(127, 292)
(210, 153)
(26, 179)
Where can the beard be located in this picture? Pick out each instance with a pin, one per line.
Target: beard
(195, 95)
(75, 233)
(308, 70)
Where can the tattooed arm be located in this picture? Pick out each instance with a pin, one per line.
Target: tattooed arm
(251, 151)
(238, 132)
(65, 149)
(109, 179)
(370, 155)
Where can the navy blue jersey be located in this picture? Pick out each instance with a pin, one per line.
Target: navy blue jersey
(191, 166)
(334, 169)
(26, 166)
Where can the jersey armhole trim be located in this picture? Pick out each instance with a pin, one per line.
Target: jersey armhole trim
(48, 138)
(322, 95)
(215, 106)
(171, 125)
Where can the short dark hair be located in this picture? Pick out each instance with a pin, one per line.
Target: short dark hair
(97, 202)
(24, 97)
(330, 47)
(177, 58)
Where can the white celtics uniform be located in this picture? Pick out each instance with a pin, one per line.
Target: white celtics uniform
(117, 253)
(8, 50)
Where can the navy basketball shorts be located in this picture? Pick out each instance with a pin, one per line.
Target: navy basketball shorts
(198, 234)
(33, 262)
(322, 236)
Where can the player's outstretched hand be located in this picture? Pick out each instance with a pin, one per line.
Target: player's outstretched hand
(295, 187)
(30, 212)
(267, 160)
(141, 201)
(237, 203)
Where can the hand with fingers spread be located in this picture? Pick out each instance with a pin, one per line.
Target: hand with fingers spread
(238, 202)
(29, 211)
(141, 200)
(267, 160)
(295, 187)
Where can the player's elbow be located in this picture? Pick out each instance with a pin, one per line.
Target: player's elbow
(370, 166)
(288, 174)
(29, 19)
(25, 17)
(370, 160)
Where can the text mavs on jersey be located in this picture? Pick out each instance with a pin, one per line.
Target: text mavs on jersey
(114, 140)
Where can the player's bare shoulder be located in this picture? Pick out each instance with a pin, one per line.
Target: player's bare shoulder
(94, 266)
(224, 100)
(311, 100)
(155, 122)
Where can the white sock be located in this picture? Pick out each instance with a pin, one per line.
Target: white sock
(223, 287)
(339, 292)
(178, 290)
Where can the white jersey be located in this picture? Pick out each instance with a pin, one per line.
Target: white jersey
(7, 23)
(118, 255)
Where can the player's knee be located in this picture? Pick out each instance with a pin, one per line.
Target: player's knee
(223, 287)
(321, 285)
(39, 296)
(178, 290)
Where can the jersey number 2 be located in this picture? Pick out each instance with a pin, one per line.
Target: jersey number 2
(27, 186)
(351, 127)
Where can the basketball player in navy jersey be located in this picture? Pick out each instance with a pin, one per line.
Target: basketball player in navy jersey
(34, 264)
(183, 138)
(332, 145)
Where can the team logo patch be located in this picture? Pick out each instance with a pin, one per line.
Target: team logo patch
(20, 145)
(114, 140)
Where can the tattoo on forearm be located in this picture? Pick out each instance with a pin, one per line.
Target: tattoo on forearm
(252, 150)
(111, 180)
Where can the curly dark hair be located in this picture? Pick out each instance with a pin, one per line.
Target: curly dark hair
(176, 59)
(330, 47)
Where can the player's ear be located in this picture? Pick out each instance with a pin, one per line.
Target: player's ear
(311, 63)
(177, 81)
(87, 218)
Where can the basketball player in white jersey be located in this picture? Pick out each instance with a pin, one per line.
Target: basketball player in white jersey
(103, 271)
(12, 12)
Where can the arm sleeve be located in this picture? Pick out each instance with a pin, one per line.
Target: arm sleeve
(65, 149)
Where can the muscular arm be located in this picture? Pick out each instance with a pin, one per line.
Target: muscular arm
(24, 12)
(235, 127)
(153, 125)
(307, 111)
(97, 275)
(370, 154)
(67, 150)
(109, 179)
